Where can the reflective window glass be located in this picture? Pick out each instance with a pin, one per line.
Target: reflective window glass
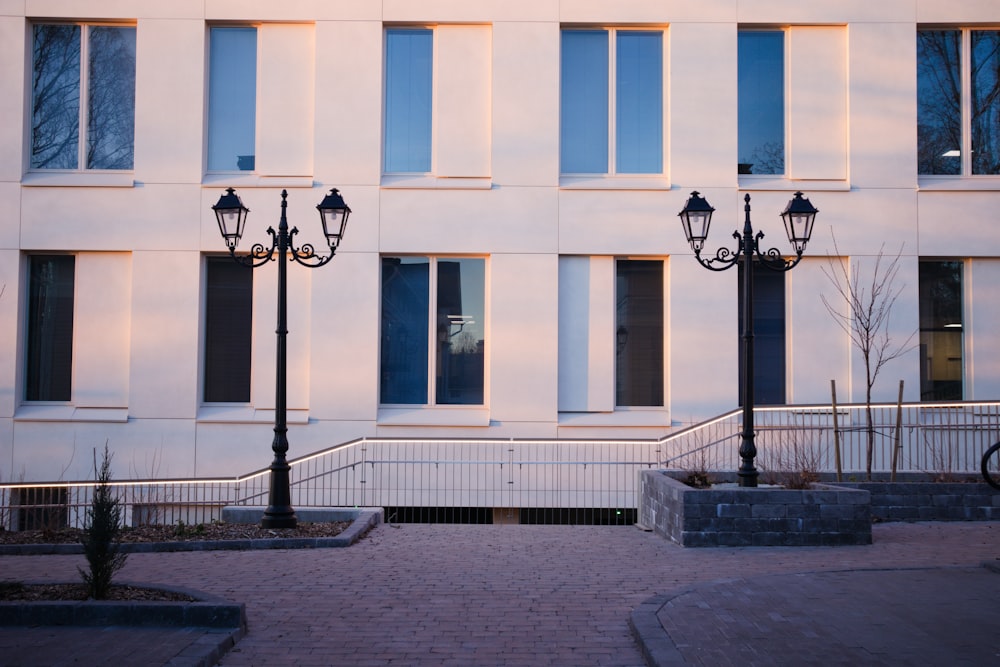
(228, 331)
(639, 333)
(405, 312)
(939, 102)
(985, 94)
(461, 314)
(106, 104)
(769, 335)
(408, 88)
(451, 290)
(611, 107)
(232, 99)
(584, 102)
(639, 104)
(941, 330)
(761, 102)
(49, 342)
(958, 102)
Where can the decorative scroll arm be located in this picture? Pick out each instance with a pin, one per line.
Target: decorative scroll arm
(306, 254)
(773, 259)
(725, 258)
(259, 254)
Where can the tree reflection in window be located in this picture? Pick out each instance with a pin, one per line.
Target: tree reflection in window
(944, 85)
(111, 113)
(58, 101)
(985, 82)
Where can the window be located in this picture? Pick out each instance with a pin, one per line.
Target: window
(761, 101)
(438, 106)
(769, 335)
(49, 365)
(611, 102)
(228, 319)
(232, 99)
(433, 331)
(958, 102)
(82, 97)
(639, 333)
(408, 64)
(941, 331)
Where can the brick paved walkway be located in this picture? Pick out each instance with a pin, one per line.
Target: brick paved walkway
(516, 595)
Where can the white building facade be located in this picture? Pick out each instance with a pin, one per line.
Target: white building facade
(514, 265)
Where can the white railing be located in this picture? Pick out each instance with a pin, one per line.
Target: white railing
(942, 438)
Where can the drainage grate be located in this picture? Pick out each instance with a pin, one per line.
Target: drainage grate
(565, 516)
(579, 516)
(438, 515)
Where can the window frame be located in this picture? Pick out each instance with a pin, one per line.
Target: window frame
(205, 333)
(964, 305)
(44, 174)
(431, 402)
(783, 174)
(761, 379)
(245, 173)
(386, 31)
(619, 361)
(28, 337)
(965, 111)
(612, 173)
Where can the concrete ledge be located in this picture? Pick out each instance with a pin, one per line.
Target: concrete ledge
(362, 520)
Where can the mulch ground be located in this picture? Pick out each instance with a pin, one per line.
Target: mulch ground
(179, 533)
(14, 591)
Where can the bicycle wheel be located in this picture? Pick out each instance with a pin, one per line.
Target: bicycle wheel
(991, 466)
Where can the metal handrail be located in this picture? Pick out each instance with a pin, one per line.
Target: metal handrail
(542, 472)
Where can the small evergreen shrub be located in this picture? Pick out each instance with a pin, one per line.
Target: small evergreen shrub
(101, 543)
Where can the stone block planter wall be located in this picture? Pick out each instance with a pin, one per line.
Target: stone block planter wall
(931, 501)
(822, 515)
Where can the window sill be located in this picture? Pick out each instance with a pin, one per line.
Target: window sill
(245, 414)
(958, 183)
(601, 182)
(251, 180)
(657, 417)
(434, 416)
(429, 182)
(31, 412)
(79, 179)
(781, 184)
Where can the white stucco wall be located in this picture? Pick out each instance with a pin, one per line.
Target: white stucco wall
(495, 192)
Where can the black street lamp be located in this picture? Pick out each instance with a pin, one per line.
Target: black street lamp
(798, 217)
(231, 215)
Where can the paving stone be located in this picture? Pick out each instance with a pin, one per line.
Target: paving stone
(545, 595)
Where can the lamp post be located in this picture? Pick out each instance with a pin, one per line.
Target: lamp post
(231, 215)
(798, 216)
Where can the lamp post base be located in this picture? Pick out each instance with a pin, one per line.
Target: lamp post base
(279, 512)
(279, 518)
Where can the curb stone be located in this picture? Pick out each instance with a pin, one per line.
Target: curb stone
(659, 648)
(223, 623)
(365, 521)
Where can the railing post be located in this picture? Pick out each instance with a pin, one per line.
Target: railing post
(836, 431)
(898, 443)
